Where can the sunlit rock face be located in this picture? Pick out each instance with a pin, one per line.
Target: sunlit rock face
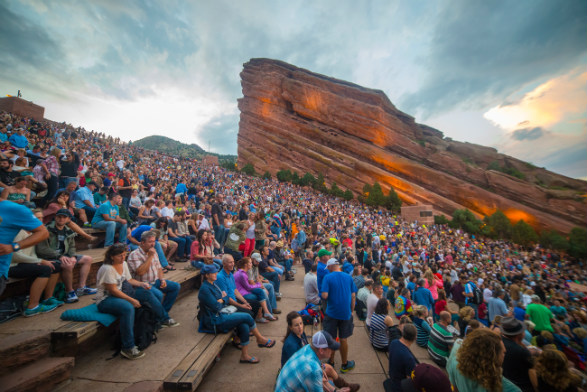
(294, 119)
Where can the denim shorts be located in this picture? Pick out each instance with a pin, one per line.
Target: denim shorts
(341, 328)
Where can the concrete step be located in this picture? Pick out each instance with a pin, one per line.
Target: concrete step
(40, 376)
(21, 348)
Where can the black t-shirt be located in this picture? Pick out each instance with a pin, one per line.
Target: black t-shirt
(516, 364)
(217, 210)
(61, 240)
(68, 169)
(8, 177)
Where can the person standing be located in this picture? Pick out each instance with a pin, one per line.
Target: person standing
(218, 221)
(339, 290)
(441, 340)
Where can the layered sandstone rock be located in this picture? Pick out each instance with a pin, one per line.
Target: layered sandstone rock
(292, 118)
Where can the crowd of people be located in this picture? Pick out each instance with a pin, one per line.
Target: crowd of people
(457, 296)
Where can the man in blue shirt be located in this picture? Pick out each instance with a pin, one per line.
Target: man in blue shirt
(84, 199)
(108, 218)
(18, 139)
(339, 290)
(13, 218)
(496, 305)
(423, 296)
(323, 256)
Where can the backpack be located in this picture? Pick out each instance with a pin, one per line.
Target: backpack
(145, 329)
(477, 294)
(12, 307)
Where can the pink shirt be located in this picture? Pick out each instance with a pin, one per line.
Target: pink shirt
(434, 289)
(241, 280)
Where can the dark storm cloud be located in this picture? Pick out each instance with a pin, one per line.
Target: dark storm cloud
(484, 51)
(528, 133)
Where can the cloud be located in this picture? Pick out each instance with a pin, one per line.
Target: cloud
(483, 51)
(528, 133)
(560, 100)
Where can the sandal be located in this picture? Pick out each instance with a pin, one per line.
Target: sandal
(270, 343)
(252, 361)
(170, 268)
(262, 320)
(270, 317)
(236, 345)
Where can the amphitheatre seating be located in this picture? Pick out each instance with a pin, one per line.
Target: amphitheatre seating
(38, 354)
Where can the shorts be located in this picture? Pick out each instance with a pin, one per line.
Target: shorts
(338, 328)
(3, 282)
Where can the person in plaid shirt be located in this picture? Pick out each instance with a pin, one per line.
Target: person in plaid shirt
(145, 267)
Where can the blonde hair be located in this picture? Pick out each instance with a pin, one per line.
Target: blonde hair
(479, 359)
(552, 367)
(466, 313)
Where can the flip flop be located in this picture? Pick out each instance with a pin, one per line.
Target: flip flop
(236, 345)
(252, 361)
(270, 317)
(262, 320)
(170, 268)
(270, 343)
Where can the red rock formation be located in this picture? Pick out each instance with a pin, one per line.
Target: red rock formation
(292, 118)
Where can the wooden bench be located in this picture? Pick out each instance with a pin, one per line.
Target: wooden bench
(189, 373)
(21, 286)
(74, 337)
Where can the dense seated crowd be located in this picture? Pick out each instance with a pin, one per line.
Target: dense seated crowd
(450, 293)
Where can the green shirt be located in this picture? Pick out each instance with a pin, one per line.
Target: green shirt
(541, 316)
(464, 383)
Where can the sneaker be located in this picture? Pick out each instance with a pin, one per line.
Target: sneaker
(38, 310)
(350, 365)
(85, 291)
(71, 297)
(53, 301)
(87, 225)
(169, 323)
(132, 353)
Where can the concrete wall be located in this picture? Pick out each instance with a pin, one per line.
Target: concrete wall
(22, 107)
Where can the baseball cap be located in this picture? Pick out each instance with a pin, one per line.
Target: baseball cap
(323, 252)
(428, 378)
(332, 261)
(209, 269)
(323, 339)
(257, 257)
(64, 212)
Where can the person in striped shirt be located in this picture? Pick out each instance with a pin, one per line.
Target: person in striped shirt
(441, 340)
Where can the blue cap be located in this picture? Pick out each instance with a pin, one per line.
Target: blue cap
(209, 269)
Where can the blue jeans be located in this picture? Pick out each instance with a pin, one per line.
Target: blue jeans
(272, 301)
(256, 294)
(287, 264)
(162, 259)
(199, 264)
(90, 212)
(219, 236)
(111, 227)
(243, 322)
(171, 291)
(272, 277)
(125, 312)
(183, 245)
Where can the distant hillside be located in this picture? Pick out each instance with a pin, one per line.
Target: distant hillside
(169, 146)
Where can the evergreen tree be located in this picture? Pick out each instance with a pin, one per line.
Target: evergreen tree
(499, 225)
(523, 233)
(307, 179)
(267, 175)
(348, 195)
(393, 202)
(578, 243)
(551, 239)
(249, 169)
(295, 178)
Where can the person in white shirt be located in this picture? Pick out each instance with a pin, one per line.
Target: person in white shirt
(311, 286)
(372, 300)
(167, 211)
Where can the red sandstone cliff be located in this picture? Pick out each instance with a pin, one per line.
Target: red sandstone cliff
(292, 118)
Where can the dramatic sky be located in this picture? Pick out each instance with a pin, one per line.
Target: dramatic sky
(511, 74)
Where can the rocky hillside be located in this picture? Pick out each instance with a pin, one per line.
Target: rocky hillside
(292, 118)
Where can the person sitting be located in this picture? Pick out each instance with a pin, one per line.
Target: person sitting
(284, 259)
(84, 200)
(111, 298)
(380, 322)
(255, 291)
(475, 363)
(426, 377)
(403, 304)
(169, 247)
(145, 267)
(178, 233)
(269, 272)
(311, 287)
(517, 364)
(255, 277)
(423, 324)
(133, 239)
(203, 250)
(60, 246)
(18, 193)
(108, 218)
(214, 317)
(401, 359)
(362, 295)
(295, 339)
(553, 373)
(60, 201)
(441, 340)
(26, 264)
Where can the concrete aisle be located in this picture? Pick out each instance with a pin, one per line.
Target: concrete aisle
(229, 375)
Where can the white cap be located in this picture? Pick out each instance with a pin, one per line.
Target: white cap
(330, 262)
